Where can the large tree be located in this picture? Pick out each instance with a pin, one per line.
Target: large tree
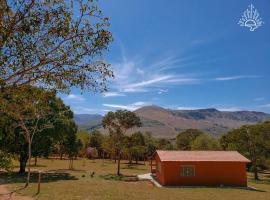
(118, 123)
(33, 111)
(53, 44)
(252, 141)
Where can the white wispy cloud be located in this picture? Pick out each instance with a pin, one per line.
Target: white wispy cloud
(87, 110)
(131, 107)
(149, 82)
(134, 75)
(266, 105)
(161, 91)
(229, 78)
(259, 99)
(74, 97)
(113, 94)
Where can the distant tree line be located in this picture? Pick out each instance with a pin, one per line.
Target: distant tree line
(64, 139)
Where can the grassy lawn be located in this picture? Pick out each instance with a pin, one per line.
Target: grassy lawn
(62, 184)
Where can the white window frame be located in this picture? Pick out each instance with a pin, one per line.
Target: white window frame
(183, 174)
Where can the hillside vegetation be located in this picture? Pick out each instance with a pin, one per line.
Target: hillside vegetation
(168, 123)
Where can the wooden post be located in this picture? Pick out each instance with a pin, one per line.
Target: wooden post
(39, 180)
(151, 164)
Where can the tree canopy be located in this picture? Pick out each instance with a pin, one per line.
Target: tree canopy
(31, 111)
(53, 44)
(186, 137)
(205, 142)
(253, 141)
(118, 123)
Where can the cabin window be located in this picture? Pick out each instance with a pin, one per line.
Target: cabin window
(159, 167)
(187, 171)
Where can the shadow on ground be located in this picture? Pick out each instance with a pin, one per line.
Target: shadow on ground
(51, 176)
(114, 177)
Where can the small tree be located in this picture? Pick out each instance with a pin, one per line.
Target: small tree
(118, 123)
(84, 137)
(95, 141)
(72, 145)
(150, 144)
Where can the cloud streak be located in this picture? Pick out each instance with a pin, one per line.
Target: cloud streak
(131, 107)
(74, 97)
(113, 94)
(229, 78)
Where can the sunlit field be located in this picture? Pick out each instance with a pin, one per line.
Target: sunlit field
(59, 183)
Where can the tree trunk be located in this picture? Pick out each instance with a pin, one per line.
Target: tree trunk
(29, 164)
(35, 160)
(23, 161)
(118, 165)
(256, 177)
(61, 156)
(129, 159)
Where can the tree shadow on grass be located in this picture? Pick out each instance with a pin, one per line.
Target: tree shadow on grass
(132, 166)
(121, 177)
(46, 177)
(260, 181)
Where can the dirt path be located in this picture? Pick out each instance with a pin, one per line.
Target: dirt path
(8, 196)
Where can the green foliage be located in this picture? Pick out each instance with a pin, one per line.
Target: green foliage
(71, 144)
(205, 142)
(118, 123)
(53, 44)
(5, 161)
(150, 144)
(253, 141)
(164, 144)
(84, 137)
(185, 138)
(31, 116)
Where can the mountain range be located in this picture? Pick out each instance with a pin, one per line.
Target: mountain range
(168, 123)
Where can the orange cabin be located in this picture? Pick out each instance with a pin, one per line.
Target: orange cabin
(199, 168)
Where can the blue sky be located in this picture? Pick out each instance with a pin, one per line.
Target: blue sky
(183, 54)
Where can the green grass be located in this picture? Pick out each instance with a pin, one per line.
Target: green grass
(59, 183)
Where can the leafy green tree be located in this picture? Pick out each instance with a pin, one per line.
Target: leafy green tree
(150, 144)
(72, 145)
(107, 147)
(30, 108)
(32, 112)
(118, 123)
(53, 44)
(253, 141)
(205, 142)
(134, 147)
(84, 137)
(95, 141)
(185, 138)
(164, 144)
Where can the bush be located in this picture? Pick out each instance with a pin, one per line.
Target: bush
(5, 161)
